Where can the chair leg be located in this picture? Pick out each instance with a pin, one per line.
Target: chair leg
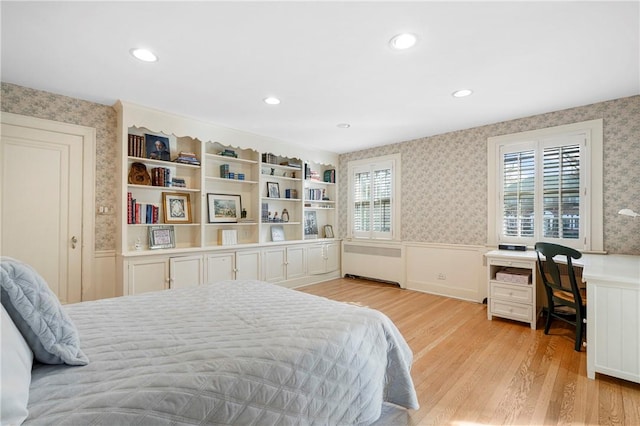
(579, 332)
(547, 324)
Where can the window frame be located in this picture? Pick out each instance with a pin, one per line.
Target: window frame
(392, 162)
(591, 184)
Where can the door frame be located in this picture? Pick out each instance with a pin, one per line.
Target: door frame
(88, 135)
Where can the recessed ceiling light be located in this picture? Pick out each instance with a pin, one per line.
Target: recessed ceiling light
(343, 125)
(403, 41)
(271, 100)
(144, 55)
(461, 93)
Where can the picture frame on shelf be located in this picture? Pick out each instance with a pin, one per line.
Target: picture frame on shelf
(157, 147)
(328, 231)
(224, 208)
(310, 225)
(277, 233)
(273, 190)
(161, 237)
(176, 207)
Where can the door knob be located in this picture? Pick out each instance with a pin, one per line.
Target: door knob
(74, 241)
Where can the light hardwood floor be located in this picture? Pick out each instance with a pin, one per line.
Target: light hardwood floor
(468, 370)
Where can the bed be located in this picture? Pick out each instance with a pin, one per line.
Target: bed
(234, 352)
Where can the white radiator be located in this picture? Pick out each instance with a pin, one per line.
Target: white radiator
(376, 261)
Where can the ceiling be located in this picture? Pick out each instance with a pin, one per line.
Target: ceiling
(329, 62)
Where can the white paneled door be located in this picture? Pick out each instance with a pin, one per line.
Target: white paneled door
(42, 202)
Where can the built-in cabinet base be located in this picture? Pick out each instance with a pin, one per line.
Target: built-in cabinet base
(290, 265)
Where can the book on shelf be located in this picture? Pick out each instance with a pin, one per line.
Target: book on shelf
(178, 182)
(136, 146)
(246, 220)
(269, 158)
(187, 158)
(330, 176)
(316, 194)
(224, 171)
(141, 213)
(160, 176)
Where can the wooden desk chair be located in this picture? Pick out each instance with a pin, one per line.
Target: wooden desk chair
(566, 301)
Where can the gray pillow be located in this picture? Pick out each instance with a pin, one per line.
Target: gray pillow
(38, 314)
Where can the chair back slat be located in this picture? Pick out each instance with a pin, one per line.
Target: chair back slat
(550, 271)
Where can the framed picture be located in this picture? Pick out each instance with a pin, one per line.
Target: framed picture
(176, 207)
(273, 190)
(224, 208)
(157, 147)
(277, 233)
(161, 237)
(328, 231)
(310, 225)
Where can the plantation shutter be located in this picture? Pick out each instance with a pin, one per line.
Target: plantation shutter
(561, 192)
(382, 200)
(372, 200)
(361, 197)
(518, 194)
(541, 190)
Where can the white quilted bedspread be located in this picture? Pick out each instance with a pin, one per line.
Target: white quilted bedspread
(235, 352)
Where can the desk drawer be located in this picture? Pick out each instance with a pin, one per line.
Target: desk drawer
(514, 293)
(513, 263)
(516, 311)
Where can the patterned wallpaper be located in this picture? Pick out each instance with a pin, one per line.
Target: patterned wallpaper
(444, 177)
(49, 106)
(444, 181)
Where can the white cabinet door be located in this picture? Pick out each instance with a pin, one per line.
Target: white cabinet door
(148, 275)
(315, 259)
(332, 253)
(295, 262)
(248, 265)
(186, 271)
(273, 260)
(220, 267)
(323, 258)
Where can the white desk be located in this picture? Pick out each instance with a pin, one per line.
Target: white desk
(613, 308)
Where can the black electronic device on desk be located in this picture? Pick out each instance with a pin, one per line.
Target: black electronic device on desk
(512, 247)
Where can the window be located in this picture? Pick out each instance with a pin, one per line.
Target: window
(546, 185)
(373, 207)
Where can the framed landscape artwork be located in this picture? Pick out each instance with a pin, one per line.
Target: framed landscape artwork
(224, 208)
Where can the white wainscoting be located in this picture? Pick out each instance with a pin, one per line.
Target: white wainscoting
(104, 276)
(450, 270)
(457, 271)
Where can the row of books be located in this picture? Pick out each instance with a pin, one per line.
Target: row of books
(141, 213)
(178, 182)
(269, 158)
(160, 176)
(136, 146)
(330, 176)
(314, 194)
(187, 158)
